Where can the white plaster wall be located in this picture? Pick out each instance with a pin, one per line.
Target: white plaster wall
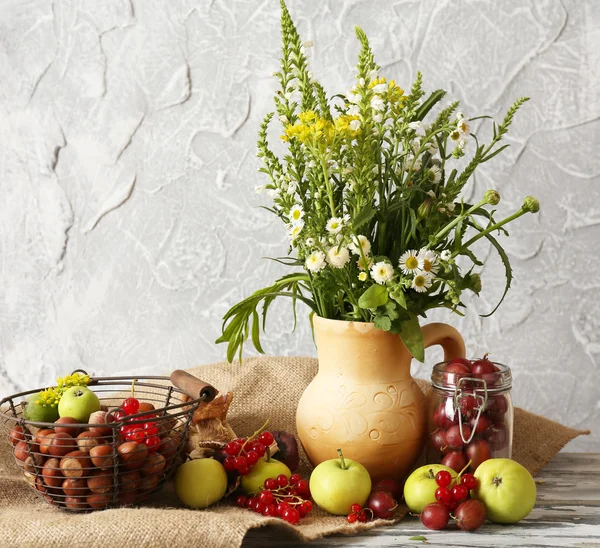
(128, 221)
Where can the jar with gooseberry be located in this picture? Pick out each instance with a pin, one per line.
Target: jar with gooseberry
(470, 413)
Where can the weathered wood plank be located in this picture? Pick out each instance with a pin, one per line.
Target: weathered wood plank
(567, 514)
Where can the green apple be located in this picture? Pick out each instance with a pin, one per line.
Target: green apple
(38, 412)
(419, 489)
(253, 482)
(337, 484)
(78, 402)
(200, 482)
(506, 488)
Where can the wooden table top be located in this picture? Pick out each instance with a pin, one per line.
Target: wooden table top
(567, 513)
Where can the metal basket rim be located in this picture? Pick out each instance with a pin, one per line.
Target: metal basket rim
(192, 404)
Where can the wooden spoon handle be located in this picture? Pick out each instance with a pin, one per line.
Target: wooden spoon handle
(193, 386)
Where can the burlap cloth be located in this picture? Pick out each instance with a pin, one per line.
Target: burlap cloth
(264, 388)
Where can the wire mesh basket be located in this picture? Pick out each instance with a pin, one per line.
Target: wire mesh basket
(84, 467)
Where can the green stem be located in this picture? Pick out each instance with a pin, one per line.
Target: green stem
(339, 452)
(455, 221)
(485, 232)
(328, 186)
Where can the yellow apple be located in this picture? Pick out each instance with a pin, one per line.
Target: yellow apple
(337, 484)
(419, 489)
(262, 470)
(200, 482)
(506, 488)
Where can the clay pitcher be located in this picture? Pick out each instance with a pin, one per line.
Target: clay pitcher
(363, 398)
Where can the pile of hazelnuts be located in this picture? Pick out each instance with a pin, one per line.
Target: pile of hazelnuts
(98, 465)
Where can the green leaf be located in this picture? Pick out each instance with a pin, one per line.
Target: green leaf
(374, 296)
(418, 537)
(399, 297)
(507, 271)
(412, 337)
(256, 332)
(382, 322)
(363, 217)
(429, 103)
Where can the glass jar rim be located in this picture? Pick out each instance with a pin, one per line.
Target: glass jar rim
(499, 381)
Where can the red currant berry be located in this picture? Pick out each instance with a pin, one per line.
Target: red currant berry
(130, 406)
(152, 443)
(459, 493)
(229, 464)
(356, 508)
(443, 478)
(452, 505)
(469, 481)
(295, 478)
(118, 416)
(243, 470)
(242, 501)
(271, 484)
(443, 495)
(241, 462)
(252, 457)
(126, 429)
(266, 497)
(306, 507)
(362, 516)
(258, 447)
(271, 511)
(303, 488)
(233, 448)
(282, 507)
(266, 438)
(260, 507)
(291, 515)
(352, 518)
(136, 434)
(282, 480)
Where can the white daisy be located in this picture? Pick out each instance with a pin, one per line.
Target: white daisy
(429, 261)
(363, 276)
(315, 262)
(358, 243)
(292, 187)
(459, 115)
(422, 282)
(377, 118)
(334, 225)
(432, 148)
(296, 214)
(416, 165)
(338, 256)
(377, 103)
(434, 174)
(355, 125)
(382, 272)
(462, 143)
(366, 264)
(410, 261)
(431, 194)
(294, 230)
(463, 126)
(310, 242)
(455, 135)
(415, 125)
(354, 110)
(445, 255)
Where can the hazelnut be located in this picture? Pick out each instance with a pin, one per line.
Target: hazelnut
(76, 464)
(44, 438)
(98, 418)
(100, 482)
(148, 484)
(132, 454)
(145, 407)
(102, 456)
(98, 501)
(17, 434)
(154, 465)
(62, 425)
(61, 444)
(88, 439)
(52, 473)
(168, 447)
(22, 450)
(76, 503)
(129, 481)
(75, 487)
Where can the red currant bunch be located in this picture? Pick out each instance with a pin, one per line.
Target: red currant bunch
(243, 453)
(281, 497)
(357, 513)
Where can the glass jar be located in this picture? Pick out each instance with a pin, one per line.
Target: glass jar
(470, 416)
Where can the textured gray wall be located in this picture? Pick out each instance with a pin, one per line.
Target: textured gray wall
(128, 221)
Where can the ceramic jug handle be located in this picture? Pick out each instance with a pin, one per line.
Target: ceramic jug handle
(447, 337)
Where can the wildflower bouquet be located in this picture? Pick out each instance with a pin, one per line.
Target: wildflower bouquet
(369, 193)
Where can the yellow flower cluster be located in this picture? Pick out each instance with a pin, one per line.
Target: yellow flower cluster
(395, 93)
(313, 130)
(51, 396)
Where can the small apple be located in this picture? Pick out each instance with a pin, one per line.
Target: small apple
(200, 482)
(419, 489)
(337, 484)
(506, 488)
(78, 402)
(253, 482)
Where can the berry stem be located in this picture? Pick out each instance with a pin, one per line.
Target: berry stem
(339, 452)
(463, 470)
(253, 436)
(133, 387)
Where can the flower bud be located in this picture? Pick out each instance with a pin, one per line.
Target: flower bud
(474, 283)
(531, 204)
(492, 197)
(425, 208)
